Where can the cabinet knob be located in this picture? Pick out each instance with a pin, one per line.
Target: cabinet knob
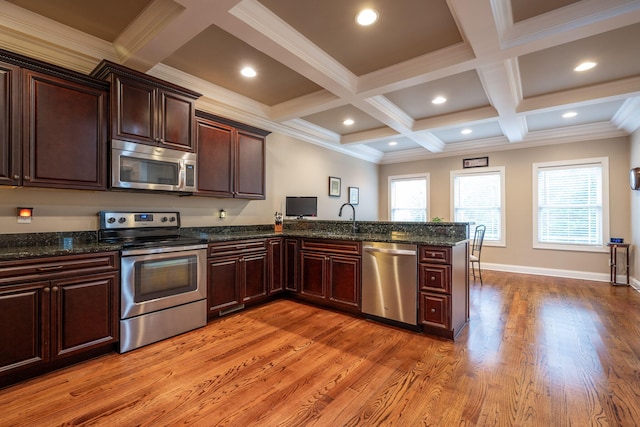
(161, 141)
(46, 290)
(16, 176)
(54, 289)
(433, 254)
(433, 278)
(433, 310)
(27, 177)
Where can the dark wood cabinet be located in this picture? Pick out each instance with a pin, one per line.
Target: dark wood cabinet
(53, 126)
(56, 309)
(443, 289)
(24, 335)
(64, 132)
(231, 158)
(237, 274)
(10, 140)
(149, 110)
(276, 265)
(291, 264)
(330, 273)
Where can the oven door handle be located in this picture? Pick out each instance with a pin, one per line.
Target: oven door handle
(162, 250)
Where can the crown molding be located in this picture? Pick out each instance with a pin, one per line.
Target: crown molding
(335, 77)
(628, 116)
(150, 22)
(609, 91)
(588, 132)
(33, 35)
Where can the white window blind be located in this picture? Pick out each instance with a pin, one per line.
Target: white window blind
(478, 197)
(570, 204)
(408, 198)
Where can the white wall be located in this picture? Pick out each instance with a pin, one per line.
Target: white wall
(294, 168)
(634, 162)
(519, 255)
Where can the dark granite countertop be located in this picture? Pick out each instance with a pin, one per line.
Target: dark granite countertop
(332, 235)
(37, 251)
(19, 246)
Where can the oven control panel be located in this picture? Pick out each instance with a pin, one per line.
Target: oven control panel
(118, 220)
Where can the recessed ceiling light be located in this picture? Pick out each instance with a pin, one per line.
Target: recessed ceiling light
(348, 122)
(569, 114)
(439, 100)
(392, 143)
(366, 17)
(585, 66)
(248, 72)
(466, 131)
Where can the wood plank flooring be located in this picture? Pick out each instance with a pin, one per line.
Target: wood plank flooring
(538, 351)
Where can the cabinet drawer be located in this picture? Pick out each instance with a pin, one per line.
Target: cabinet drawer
(435, 254)
(435, 310)
(434, 278)
(333, 246)
(53, 267)
(236, 247)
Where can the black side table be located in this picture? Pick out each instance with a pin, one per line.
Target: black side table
(613, 261)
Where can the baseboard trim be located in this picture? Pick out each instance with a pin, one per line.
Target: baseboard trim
(570, 274)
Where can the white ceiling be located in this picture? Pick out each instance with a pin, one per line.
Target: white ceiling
(505, 66)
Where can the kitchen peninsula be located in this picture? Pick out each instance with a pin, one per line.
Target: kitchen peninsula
(317, 262)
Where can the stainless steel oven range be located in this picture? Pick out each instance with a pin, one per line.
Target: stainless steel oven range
(162, 276)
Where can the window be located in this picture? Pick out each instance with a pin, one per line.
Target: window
(408, 195)
(478, 197)
(570, 204)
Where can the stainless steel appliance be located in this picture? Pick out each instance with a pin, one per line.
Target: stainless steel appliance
(146, 167)
(162, 276)
(389, 281)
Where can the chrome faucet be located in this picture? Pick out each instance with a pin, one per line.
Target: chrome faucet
(354, 227)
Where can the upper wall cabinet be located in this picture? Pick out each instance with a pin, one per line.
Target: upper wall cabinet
(10, 167)
(149, 110)
(53, 127)
(231, 158)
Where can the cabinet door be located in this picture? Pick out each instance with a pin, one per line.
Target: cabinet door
(24, 326)
(435, 310)
(250, 166)
(10, 166)
(434, 278)
(84, 313)
(254, 283)
(275, 265)
(223, 283)
(133, 107)
(175, 122)
(291, 264)
(215, 158)
(344, 280)
(64, 134)
(313, 274)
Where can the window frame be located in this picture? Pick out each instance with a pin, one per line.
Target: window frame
(502, 242)
(425, 176)
(567, 164)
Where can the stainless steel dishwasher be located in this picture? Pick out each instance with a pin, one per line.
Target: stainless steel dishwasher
(389, 284)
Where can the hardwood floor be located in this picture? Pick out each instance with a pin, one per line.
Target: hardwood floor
(538, 351)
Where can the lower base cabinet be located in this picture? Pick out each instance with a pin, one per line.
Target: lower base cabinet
(275, 253)
(47, 322)
(237, 274)
(330, 273)
(443, 289)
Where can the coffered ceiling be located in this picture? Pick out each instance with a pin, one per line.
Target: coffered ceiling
(505, 67)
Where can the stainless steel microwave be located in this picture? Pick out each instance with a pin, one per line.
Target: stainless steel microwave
(147, 167)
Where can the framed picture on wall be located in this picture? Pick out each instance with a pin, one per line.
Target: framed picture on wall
(354, 195)
(334, 186)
